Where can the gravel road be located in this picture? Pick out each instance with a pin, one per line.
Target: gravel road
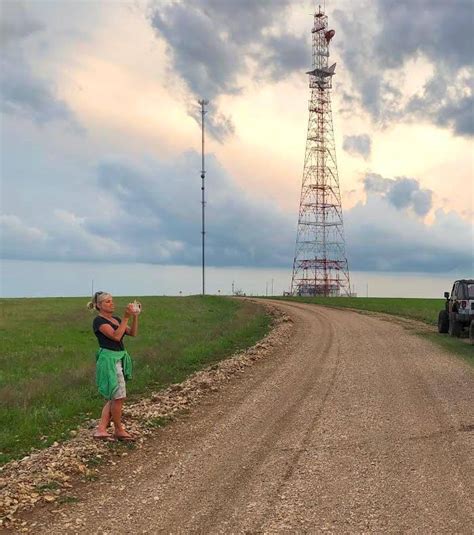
(355, 425)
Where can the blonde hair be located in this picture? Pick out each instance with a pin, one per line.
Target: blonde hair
(96, 300)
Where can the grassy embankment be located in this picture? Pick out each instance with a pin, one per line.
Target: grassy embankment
(425, 310)
(47, 359)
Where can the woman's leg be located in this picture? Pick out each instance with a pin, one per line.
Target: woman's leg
(104, 419)
(116, 405)
(116, 410)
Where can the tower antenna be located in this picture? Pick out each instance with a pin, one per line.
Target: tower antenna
(320, 266)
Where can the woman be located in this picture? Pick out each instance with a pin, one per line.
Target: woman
(114, 365)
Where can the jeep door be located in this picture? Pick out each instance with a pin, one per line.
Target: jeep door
(452, 306)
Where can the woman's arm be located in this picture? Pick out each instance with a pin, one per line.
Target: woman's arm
(116, 334)
(133, 330)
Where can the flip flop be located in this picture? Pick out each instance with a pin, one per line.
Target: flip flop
(107, 438)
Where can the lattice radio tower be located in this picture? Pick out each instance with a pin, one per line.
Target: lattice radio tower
(320, 265)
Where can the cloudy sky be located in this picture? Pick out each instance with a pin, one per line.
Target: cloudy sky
(100, 141)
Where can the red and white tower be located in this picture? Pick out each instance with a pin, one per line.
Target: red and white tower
(320, 265)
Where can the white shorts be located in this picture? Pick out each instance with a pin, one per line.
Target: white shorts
(121, 391)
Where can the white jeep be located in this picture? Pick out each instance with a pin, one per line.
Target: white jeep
(458, 312)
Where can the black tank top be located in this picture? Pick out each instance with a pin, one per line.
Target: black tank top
(105, 341)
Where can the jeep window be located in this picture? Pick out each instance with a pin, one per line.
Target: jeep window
(461, 291)
(470, 291)
(454, 291)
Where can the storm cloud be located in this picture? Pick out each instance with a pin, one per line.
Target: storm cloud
(240, 228)
(376, 50)
(22, 91)
(401, 192)
(212, 44)
(358, 145)
(382, 237)
(16, 23)
(387, 231)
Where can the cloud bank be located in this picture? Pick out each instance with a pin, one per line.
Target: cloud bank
(387, 231)
(155, 217)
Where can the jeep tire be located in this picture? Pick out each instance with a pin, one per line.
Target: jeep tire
(471, 333)
(455, 327)
(443, 322)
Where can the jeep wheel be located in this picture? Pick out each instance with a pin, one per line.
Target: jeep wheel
(455, 327)
(471, 333)
(443, 322)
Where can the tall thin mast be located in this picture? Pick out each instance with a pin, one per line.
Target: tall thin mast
(203, 103)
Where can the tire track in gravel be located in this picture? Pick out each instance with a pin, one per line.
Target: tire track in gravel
(283, 426)
(301, 448)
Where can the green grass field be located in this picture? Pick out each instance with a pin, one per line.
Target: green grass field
(425, 310)
(47, 359)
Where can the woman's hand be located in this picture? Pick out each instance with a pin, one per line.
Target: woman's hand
(128, 311)
(135, 308)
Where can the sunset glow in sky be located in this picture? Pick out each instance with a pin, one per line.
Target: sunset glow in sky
(100, 141)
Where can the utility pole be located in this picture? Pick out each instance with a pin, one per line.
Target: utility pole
(203, 103)
(233, 292)
(272, 287)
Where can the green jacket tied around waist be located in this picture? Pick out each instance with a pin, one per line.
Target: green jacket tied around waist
(106, 373)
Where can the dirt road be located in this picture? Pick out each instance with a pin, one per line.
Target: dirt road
(355, 425)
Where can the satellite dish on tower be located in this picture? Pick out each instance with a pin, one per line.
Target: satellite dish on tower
(329, 35)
